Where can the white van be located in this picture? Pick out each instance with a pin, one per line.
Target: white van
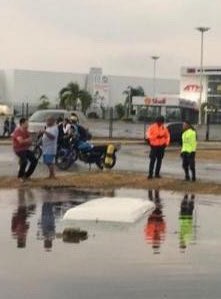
(38, 119)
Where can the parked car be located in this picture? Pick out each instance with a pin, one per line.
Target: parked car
(175, 129)
(38, 119)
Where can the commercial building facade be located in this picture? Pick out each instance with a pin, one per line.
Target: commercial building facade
(21, 87)
(211, 88)
(172, 108)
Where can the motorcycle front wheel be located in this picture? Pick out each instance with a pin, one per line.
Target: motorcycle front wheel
(37, 151)
(63, 160)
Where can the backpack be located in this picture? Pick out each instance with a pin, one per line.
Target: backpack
(84, 134)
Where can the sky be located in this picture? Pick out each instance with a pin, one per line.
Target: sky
(118, 35)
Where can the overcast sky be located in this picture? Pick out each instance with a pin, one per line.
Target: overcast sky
(117, 35)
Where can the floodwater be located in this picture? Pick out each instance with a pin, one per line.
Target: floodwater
(172, 253)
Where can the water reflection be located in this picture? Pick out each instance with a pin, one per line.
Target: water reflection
(112, 262)
(48, 224)
(186, 221)
(52, 205)
(19, 222)
(156, 225)
(52, 210)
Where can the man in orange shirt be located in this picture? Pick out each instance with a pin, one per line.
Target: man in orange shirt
(158, 138)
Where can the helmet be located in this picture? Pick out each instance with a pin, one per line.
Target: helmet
(74, 118)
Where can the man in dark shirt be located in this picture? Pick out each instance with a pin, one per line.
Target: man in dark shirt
(21, 145)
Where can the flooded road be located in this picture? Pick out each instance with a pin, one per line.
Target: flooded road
(172, 253)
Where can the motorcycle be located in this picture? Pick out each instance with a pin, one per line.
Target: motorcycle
(103, 156)
(37, 147)
(66, 155)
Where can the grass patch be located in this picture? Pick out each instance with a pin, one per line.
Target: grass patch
(110, 180)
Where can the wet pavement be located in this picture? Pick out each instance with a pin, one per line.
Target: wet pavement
(121, 129)
(136, 130)
(129, 158)
(172, 253)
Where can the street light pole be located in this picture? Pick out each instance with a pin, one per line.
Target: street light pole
(155, 58)
(201, 30)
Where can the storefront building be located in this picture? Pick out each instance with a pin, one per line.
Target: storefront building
(172, 108)
(211, 88)
(22, 87)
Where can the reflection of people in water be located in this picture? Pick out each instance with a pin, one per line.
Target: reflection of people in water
(19, 223)
(186, 221)
(156, 225)
(48, 224)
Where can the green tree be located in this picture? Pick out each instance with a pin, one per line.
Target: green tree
(120, 110)
(86, 100)
(131, 92)
(68, 96)
(44, 102)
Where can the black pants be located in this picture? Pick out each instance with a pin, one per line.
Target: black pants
(189, 165)
(6, 131)
(26, 157)
(156, 157)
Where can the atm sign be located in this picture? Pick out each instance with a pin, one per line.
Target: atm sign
(192, 88)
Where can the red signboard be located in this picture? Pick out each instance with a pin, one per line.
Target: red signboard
(154, 101)
(192, 88)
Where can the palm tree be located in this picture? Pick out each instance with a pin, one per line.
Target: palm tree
(69, 95)
(86, 100)
(45, 103)
(131, 92)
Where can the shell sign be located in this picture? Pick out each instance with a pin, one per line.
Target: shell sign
(154, 101)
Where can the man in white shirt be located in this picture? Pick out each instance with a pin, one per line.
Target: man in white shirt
(49, 145)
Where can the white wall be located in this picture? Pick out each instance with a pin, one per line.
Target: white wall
(9, 82)
(2, 87)
(22, 86)
(31, 85)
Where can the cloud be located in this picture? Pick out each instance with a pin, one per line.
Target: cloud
(119, 35)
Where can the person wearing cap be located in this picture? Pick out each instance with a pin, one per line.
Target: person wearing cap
(158, 138)
(188, 151)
